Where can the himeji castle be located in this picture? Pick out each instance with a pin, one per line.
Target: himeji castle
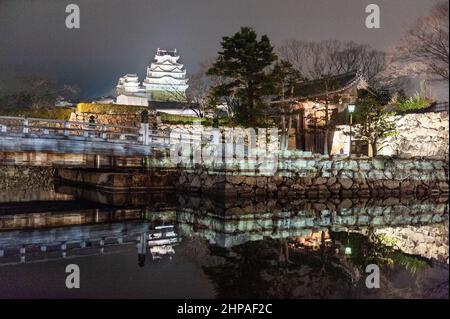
(165, 81)
(166, 77)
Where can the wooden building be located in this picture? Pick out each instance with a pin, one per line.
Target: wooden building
(315, 108)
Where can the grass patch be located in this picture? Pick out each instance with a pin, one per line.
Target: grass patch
(174, 119)
(167, 118)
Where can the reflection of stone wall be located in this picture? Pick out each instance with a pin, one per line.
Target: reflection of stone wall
(419, 135)
(427, 241)
(26, 177)
(230, 223)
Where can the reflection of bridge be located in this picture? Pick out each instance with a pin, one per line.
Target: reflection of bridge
(74, 234)
(18, 134)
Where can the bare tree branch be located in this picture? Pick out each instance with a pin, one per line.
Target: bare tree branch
(425, 46)
(326, 58)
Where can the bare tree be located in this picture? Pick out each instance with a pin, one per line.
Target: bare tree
(331, 57)
(198, 94)
(425, 46)
(295, 52)
(351, 56)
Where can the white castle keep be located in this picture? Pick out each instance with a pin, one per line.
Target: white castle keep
(165, 81)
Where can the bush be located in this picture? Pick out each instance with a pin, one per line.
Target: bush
(413, 103)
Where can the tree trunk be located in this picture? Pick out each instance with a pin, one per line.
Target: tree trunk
(297, 132)
(374, 148)
(250, 115)
(288, 129)
(325, 142)
(283, 132)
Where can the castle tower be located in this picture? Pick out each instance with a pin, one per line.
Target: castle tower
(166, 78)
(128, 84)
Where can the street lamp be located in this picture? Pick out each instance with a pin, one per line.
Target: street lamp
(351, 109)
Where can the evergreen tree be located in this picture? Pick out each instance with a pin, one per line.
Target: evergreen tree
(285, 77)
(242, 64)
(373, 123)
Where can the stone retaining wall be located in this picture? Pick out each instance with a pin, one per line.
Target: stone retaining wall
(424, 134)
(127, 119)
(294, 177)
(120, 180)
(26, 177)
(324, 176)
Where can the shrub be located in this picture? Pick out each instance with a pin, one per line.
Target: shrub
(415, 102)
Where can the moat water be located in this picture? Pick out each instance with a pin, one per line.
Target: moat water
(169, 245)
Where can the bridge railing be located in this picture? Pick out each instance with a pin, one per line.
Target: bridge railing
(14, 126)
(38, 127)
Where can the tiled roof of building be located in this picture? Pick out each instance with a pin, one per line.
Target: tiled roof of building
(330, 85)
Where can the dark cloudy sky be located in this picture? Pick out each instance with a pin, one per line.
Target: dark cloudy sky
(118, 36)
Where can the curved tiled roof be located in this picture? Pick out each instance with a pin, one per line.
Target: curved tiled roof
(328, 85)
(336, 83)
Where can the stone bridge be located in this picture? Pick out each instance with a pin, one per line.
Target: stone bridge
(21, 134)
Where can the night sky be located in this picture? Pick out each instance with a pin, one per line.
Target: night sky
(118, 36)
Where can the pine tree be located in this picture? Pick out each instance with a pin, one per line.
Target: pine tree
(242, 64)
(373, 123)
(284, 79)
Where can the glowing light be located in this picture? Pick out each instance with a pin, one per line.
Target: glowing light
(348, 250)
